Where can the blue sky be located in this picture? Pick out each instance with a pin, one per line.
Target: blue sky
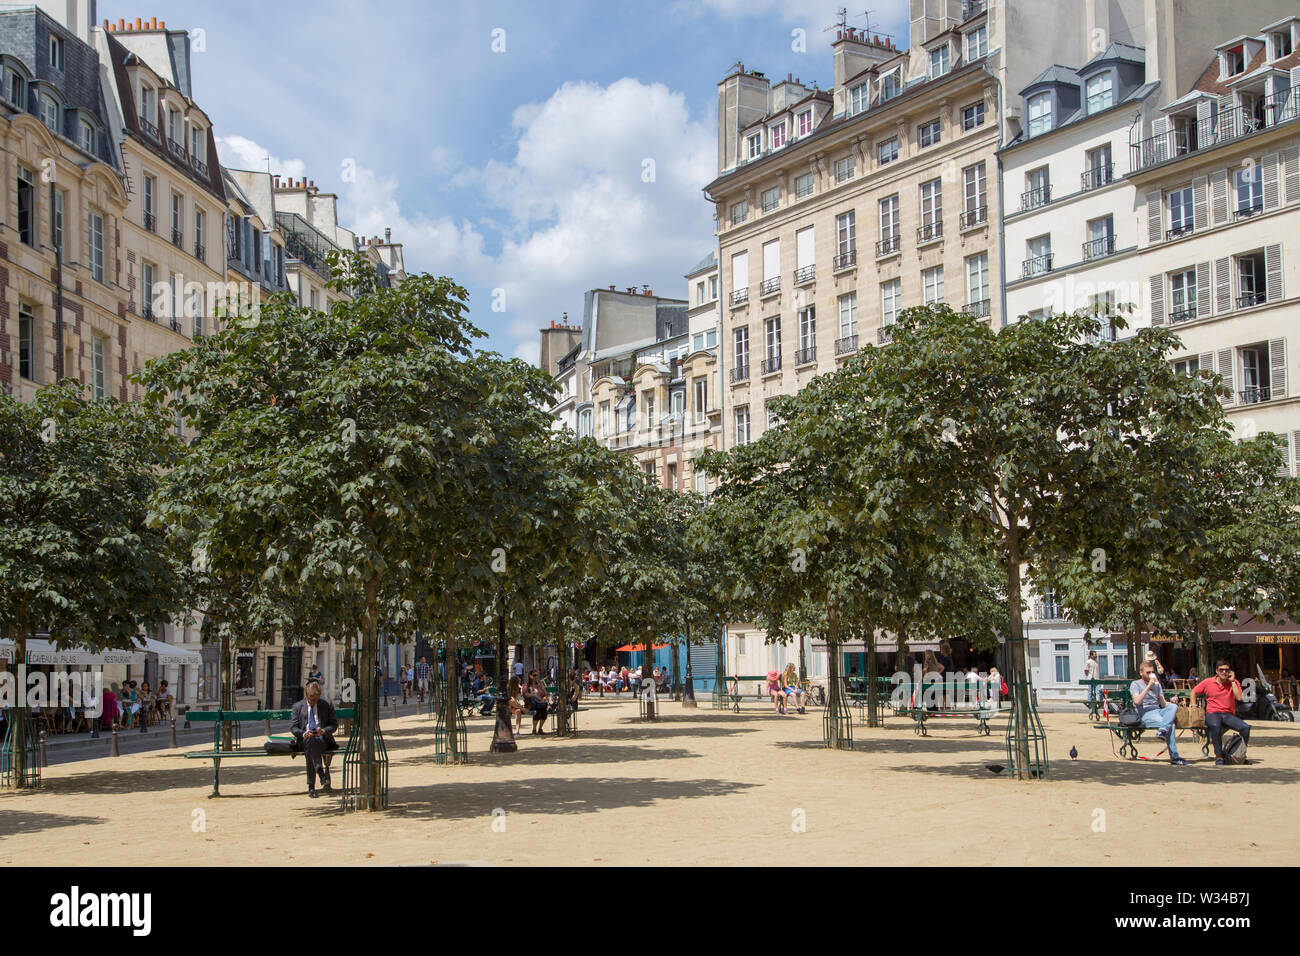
(520, 170)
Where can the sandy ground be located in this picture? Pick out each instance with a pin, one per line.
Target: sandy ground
(698, 786)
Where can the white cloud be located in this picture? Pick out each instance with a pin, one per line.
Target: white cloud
(240, 152)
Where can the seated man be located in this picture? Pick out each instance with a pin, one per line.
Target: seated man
(483, 694)
(314, 726)
(1221, 695)
(1149, 701)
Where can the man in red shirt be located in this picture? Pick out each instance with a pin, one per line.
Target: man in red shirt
(1221, 695)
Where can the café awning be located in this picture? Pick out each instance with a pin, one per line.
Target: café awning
(45, 652)
(1253, 630)
(882, 647)
(169, 653)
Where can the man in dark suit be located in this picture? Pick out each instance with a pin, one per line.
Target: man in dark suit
(313, 727)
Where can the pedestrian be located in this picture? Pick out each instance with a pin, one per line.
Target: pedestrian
(1090, 668)
(422, 678)
(313, 727)
(1221, 695)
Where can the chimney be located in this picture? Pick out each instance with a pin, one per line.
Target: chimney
(611, 288)
(388, 236)
(138, 23)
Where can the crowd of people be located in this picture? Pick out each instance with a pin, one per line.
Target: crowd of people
(614, 680)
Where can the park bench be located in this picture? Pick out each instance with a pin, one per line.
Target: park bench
(220, 717)
(1114, 689)
(1129, 737)
(980, 713)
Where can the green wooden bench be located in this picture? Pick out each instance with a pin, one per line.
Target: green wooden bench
(1104, 688)
(219, 717)
(733, 694)
(1129, 737)
(980, 714)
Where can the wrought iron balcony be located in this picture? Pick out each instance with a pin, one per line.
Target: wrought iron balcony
(177, 150)
(148, 128)
(305, 242)
(1246, 211)
(885, 334)
(980, 309)
(846, 260)
(200, 166)
(146, 310)
(846, 344)
(806, 356)
(1097, 248)
(930, 232)
(1185, 314)
(1227, 125)
(1033, 198)
(1038, 265)
(1096, 176)
(770, 364)
(974, 217)
(805, 274)
(888, 246)
(150, 222)
(1247, 299)
(178, 239)
(740, 373)
(739, 296)
(1183, 229)
(175, 324)
(200, 253)
(769, 286)
(1255, 394)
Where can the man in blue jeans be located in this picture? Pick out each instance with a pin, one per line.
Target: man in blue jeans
(1156, 712)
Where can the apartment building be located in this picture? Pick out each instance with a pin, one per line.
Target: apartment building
(256, 261)
(308, 220)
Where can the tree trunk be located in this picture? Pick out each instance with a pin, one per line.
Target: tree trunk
(720, 667)
(18, 715)
(562, 687)
(1018, 729)
(1204, 649)
(873, 710)
(650, 705)
(803, 662)
(367, 707)
(677, 669)
(349, 672)
(451, 693)
(836, 708)
(1135, 653)
(688, 686)
(227, 688)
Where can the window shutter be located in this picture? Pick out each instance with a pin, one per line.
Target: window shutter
(1284, 465)
(1219, 196)
(1202, 290)
(1273, 271)
(1155, 216)
(1293, 103)
(1295, 447)
(1271, 198)
(1225, 370)
(1207, 363)
(1277, 368)
(1204, 124)
(1160, 138)
(1227, 118)
(1157, 284)
(1291, 162)
(1222, 285)
(1200, 204)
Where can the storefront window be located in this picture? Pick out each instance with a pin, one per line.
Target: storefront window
(244, 671)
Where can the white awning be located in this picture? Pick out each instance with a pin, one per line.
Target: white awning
(44, 652)
(882, 647)
(169, 653)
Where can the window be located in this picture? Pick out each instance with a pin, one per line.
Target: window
(927, 134)
(629, 414)
(974, 196)
(1250, 185)
(1038, 188)
(198, 142)
(1282, 45)
(1039, 256)
(845, 235)
(648, 401)
(972, 116)
(890, 85)
(1188, 366)
(17, 89)
(98, 384)
(200, 221)
(150, 189)
(859, 98)
(805, 120)
(60, 198)
(87, 137)
(701, 483)
(584, 423)
(807, 332)
(739, 212)
(26, 342)
(701, 386)
(755, 141)
(740, 645)
(977, 43)
(1234, 61)
(891, 301)
(26, 206)
(939, 61)
(699, 293)
(977, 284)
(1180, 211)
(174, 126)
(932, 286)
(149, 107)
(888, 224)
(1101, 237)
(1040, 113)
(771, 198)
(742, 425)
(50, 112)
(56, 52)
(1255, 374)
(1251, 286)
(887, 151)
(803, 186)
(672, 476)
(96, 236)
(146, 289)
(1061, 657)
(177, 206)
(777, 135)
(740, 350)
(848, 314)
(1098, 168)
(1182, 296)
(843, 169)
(713, 294)
(772, 342)
(1101, 92)
(195, 305)
(931, 210)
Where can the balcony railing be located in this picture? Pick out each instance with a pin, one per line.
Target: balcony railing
(1038, 265)
(806, 356)
(1256, 394)
(974, 217)
(200, 253)
(1097, 248)
(930, 232)
(148, 128)
(146, 310)
(846, 260)
(1033, 198)
(305, 242)
(1185, 314)
(1246, 211)
(1097, 176)
(884, 335)
(740, 373)
(770, 364)
(1247, 299)
(846, 344)
(888, 246)
(1228, 125)
(200, 166)
(980, 309)
(1183, 229)
(769, 286)
(739, 296)
(176, 149)
(175, 324)
(805, 274)
(150, 222)
(178, 239)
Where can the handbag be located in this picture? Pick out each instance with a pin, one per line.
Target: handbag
(1129, 717)
(279, 745)
(1191, 716)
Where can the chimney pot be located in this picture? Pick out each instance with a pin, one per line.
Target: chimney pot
(138, 23)
(388, 234)
(162, 24)
(153, 23)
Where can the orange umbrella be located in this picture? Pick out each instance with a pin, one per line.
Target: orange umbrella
(636, 648)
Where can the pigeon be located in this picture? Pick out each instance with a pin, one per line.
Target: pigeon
(1074, 754)
(995, 768)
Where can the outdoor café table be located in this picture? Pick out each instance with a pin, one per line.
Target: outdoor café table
(1099, 685)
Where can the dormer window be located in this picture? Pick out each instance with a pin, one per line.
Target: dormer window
(1039, 110)
(16, 88)
(977, 43)
(778, 135)
(197, 143)
(1281, 44)
(87, 137)
(149, 107)
(859, 97)
(50, 112)
(889, 85)
(805, 122)
(174, 125)
(56, 52)
(940, 61)
(1101, 92)
(755, 145)
(1234, 61)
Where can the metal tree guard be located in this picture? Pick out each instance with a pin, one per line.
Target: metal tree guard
(837, 721)
(353, 758)
(648, 702)
(564, 725)
(20, 765)
(1026, 740)
(449, 717)
(721, 700)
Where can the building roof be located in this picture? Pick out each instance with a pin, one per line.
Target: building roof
(1053, 74)
(1118, 51)
(704, 265)
(1209, 81)
(1136, 95)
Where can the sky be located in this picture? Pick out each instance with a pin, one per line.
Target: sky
(531, 151)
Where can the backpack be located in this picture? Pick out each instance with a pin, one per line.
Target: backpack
(1234, 749)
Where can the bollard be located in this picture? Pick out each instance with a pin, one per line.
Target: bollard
(268, 726)
(114, 752)
(45, 760)
(394, 708)
(173, 731)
